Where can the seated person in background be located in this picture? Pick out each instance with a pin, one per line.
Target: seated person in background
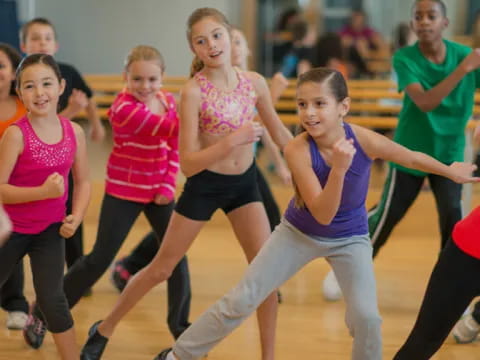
(281, 38)
(360, 40)
(328, 52)
(403, 35)
(297, 60)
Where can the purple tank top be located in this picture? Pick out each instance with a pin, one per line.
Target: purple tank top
(351, 218)
(37, 161)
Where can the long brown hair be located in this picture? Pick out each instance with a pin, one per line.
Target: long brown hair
(338, 87)
(194, 18)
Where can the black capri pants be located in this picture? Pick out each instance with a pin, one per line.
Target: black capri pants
(47, 257)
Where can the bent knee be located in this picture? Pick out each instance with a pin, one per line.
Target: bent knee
(238, 303)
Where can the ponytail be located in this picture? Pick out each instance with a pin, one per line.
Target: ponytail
(196, 66)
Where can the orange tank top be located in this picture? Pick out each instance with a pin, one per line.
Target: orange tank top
(21, 111)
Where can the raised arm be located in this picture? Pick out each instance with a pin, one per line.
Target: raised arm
(379, 146)
(323, 203)
(193, 158)
(11, 146)
(129, 116)
(280, 134)
(428, 100)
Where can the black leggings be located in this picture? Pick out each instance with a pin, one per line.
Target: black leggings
(11, 293)
(399, 193)
(116, 219)
(450, 290)
(47, 252)
(143, 254)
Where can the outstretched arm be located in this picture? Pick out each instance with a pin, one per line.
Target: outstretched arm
(379, 146)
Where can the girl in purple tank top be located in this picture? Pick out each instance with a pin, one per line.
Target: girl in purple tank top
(36, 155)
(330, 164)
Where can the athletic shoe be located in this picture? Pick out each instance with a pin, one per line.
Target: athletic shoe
(163, 354)
(16, 320)
(34, 330)
(120, 276)
(331, 289)
(95, 345)
(466, 330)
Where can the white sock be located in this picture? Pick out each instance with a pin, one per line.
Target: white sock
(170, 356)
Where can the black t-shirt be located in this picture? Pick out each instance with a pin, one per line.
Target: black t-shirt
(73, 80)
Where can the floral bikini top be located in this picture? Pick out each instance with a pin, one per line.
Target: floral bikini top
(223, 112)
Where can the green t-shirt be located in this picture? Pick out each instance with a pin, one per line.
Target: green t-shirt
(439, 133)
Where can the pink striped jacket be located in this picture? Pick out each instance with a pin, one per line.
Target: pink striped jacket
(144, 158)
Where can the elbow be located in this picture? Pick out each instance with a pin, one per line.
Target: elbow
(187, 169)
(426, 106)
(324, 219)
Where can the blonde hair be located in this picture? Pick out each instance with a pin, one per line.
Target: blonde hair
(194, 18)
(145, 53)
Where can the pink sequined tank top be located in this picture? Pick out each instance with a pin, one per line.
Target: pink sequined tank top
(37, 161)
(223, 112)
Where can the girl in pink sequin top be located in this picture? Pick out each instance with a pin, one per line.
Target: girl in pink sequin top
(36, 155)
(217, 130)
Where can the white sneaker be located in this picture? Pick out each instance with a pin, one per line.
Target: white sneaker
(16, 320)
(466, 330)
(331, 289)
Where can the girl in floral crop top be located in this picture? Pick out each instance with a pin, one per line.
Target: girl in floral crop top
(217, 130)
(222, 112)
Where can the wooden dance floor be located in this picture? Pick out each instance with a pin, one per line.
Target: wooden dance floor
(308, 326)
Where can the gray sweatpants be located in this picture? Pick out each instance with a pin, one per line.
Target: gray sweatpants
(284, 254)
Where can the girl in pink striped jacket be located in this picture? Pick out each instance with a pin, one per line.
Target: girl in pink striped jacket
(141, 174)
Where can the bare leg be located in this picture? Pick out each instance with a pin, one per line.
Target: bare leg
(250, 224)
(179, 236)
(66, 344)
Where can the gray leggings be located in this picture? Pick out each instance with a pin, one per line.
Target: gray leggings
(283, 255)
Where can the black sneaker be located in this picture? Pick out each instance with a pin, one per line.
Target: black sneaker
(120, 275)
(34, 330)
(95, 345)
(163, 354)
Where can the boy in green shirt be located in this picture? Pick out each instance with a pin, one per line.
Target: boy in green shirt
(439, 78)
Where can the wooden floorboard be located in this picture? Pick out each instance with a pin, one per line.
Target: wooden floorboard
(308, 326)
